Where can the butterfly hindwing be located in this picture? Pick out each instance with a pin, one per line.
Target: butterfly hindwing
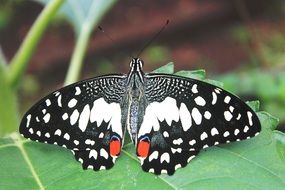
(184, 116)
(84, 117)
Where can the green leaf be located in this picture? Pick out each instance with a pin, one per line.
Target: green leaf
(258, 163)
(268, 120)
(214, 82)
(196, 74)
(254, 105)
(167, 69)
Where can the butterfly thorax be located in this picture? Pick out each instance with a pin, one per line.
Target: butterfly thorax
(136, 100)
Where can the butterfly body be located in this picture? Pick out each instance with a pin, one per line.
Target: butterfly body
(169, 119)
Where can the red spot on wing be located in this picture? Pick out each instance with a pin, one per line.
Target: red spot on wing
(115, 147)
(143, 149)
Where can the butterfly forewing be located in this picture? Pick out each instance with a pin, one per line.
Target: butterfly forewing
(84, 117)
(184, 116)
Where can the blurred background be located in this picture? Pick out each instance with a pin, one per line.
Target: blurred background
(240, 43)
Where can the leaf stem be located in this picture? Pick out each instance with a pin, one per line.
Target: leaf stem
(97, 10)
(78, 55)
(23, 55)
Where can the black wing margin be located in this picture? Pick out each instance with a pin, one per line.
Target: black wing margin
(75, 117)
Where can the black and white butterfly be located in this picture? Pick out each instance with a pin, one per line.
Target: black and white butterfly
(169, 119)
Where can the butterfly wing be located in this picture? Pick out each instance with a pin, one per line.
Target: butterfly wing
(84, 117)
(184, 116)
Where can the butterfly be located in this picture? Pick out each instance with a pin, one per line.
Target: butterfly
(169, 119)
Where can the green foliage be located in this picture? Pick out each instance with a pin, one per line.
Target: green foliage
(267, 85)
(156, 54)
(257, 163)
(11, 74)
(8, 102)
(83, 15)
(167, 69)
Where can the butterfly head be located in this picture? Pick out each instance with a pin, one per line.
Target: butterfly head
(136, 65)
(136, 73)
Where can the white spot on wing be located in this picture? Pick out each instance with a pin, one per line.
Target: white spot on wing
(104, 153)
(236, 131)
(93, 153)
(74, 117)
(245, 129)
(207, 115)
(192, 142)
(165, 134)
(153, 155)
(66, 136)
(165, 157)
(31, 130)
(78, 91)
(177, 141)
(72, 103)
(226, 134)
(47, 135)
(196, 116)
(84, 118)
(200, 101)
(174, 150)
(227, 99)
(177, 166)
(194, 89)
(238, 117)
(214, 131)
(48, 103)
(39, 133)
(89, 141)
(228, 115)
(214, 98)
(203, 136)
(102, 168)
(101, 135)
(190, 158)
(163, 171)
(28, 120)
(76, 142)
(249, 115)
(59, 101)
(185, 117)
(47, 118)
(65, 116)
(205, 146)
(57, 132)
(231, 108)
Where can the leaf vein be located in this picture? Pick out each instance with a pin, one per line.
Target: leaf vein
(162, 179)
(19, 143)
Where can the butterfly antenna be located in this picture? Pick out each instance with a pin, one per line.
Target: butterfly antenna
(109, 37)
(153, 38)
